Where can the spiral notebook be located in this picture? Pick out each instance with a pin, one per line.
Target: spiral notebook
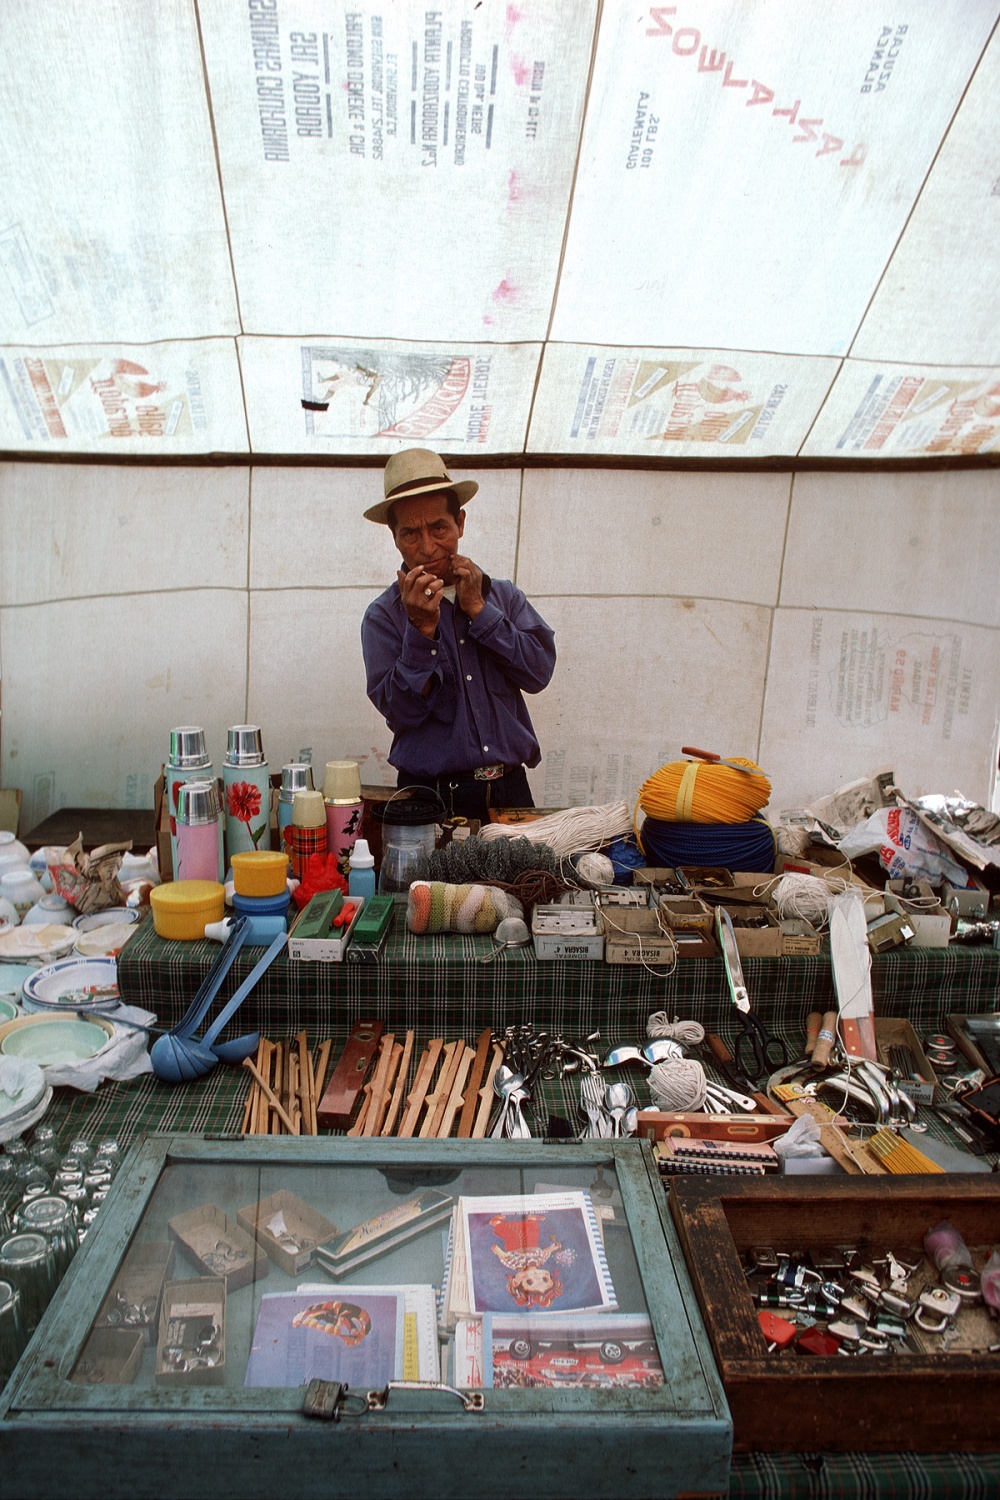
(532, 1253)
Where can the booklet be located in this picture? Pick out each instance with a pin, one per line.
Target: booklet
(537, 1252)
(350, 1334)
(607, 1352)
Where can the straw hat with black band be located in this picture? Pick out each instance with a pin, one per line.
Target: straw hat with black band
(417, 471)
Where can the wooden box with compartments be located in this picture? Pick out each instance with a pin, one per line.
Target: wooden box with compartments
(932, 1394)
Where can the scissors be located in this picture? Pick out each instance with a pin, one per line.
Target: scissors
(757, 1051)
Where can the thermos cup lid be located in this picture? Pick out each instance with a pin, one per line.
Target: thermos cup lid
(308, 810)
(297, 776)
(244, 746)
(342, 781)
(187, 747)
(197, 802)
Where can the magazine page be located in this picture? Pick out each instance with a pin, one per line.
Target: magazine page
(350, 1334)
(539, 1252)
(421, 1352)
(609, 1351)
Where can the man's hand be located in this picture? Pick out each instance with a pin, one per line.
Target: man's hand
(468, 586)
(421, 595)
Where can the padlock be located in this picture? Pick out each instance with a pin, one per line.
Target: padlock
(935, 1309)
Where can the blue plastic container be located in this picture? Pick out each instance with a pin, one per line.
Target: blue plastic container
(268, 916)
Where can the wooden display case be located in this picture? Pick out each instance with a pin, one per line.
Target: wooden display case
(790, 1402)
(619, 1400)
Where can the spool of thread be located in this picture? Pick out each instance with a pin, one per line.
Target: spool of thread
(308, 829)
(825, 1038)
(699, 791)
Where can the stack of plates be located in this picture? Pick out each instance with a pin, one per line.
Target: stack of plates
(24, 1097)
(73, 984)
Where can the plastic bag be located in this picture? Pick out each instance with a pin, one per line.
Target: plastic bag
(905, 847)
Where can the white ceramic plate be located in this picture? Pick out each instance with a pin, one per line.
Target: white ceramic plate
(73, 984)
(55, 1040)
(106, 918)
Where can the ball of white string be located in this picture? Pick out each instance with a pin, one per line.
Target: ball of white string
(677, 1084)
(688, 1033)
(807, 896)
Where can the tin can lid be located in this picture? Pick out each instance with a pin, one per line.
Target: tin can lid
(297, 776)
(197, 802)
(244, 746)
(187, 747)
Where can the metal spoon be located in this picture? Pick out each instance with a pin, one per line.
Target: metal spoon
(505, 1081)
(618, 1099)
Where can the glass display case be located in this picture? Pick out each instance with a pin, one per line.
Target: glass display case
(338, 1316)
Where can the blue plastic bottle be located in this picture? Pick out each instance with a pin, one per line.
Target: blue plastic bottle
(361, 874)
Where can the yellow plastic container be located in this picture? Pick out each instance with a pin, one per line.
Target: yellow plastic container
(182, 908)
(260, 872)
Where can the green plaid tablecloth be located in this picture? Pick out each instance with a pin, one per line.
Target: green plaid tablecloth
(440, 983)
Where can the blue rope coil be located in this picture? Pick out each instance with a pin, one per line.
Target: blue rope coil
(728, 846)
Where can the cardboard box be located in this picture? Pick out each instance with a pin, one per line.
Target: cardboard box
(219, 1246)
(763, 940)
(111, 1356)
(687, 914)
(138, 1288)
(694, 944)
(889, 931)
(635, 935)
(709, 877)
(754, 879)
(634, 896)
(972, 902)
(193, 1317)
(288, 1229)
(930, 922)
(329, 949)
(896, 1031)
(659, 875)
(799, 939)
(571, 933)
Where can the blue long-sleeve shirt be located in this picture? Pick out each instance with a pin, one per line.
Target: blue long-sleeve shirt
(474, 713)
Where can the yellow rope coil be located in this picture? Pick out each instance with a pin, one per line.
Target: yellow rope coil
(698, 791)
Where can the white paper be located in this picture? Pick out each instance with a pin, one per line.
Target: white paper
(366, 397)
(847, 692)
(661, 403)
(884, 411)
(111, 223)
(396, 171)
(128, 399)
(746, 169)
(606, 532)
(939, 300)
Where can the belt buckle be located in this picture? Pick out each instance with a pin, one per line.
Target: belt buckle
(488, 773)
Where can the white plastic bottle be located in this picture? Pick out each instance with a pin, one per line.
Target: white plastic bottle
(361, 875)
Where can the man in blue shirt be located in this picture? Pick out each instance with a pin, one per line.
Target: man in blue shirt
(449, 651)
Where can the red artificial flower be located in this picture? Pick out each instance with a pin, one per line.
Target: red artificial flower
(243, 801)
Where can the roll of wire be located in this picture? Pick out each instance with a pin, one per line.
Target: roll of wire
(704, 790)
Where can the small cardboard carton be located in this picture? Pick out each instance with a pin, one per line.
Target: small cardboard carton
(971, 902)
(896, 1031)
(758, 934)
(133, 1300)
(799, 938)
(567, 932)
(930, 922)
(219, 1246)
(687, 914)
(328, 946)
(288, 1229)
(111, 1356)
(634, 935)
(692, 944)
(623, 895)
(191, 1346)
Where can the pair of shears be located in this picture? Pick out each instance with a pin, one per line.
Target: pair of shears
(757, 1051)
